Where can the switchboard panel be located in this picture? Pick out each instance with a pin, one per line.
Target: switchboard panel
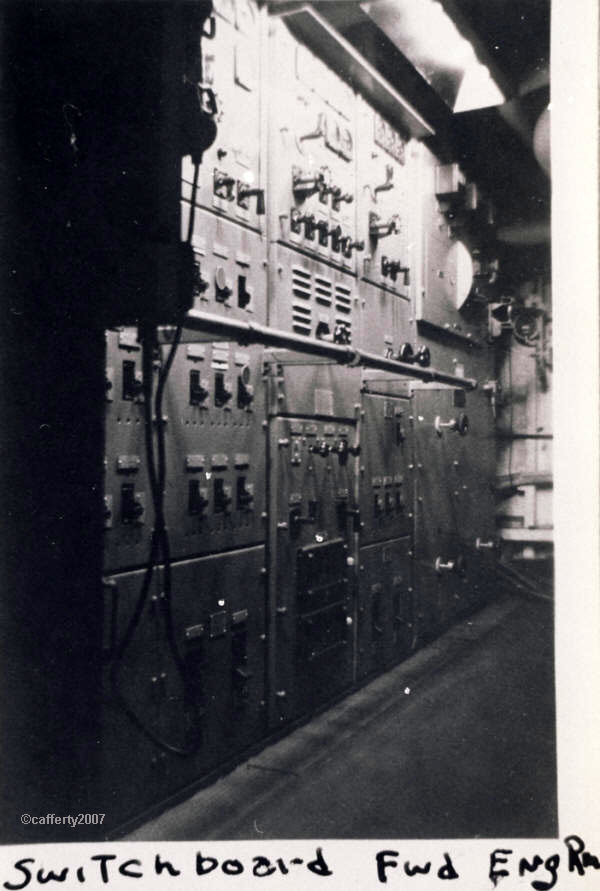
(387, 171)
(215, 410)
(313, 299)
(386, 467)
(230, 181)
(386, 630)
(313, 515)
(299, 386)
(454, 455)
(387, 323)
(312, 153)
(175, 709)
(127, 496)
(230, 266)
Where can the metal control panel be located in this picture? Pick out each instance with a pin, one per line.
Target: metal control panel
(127, 496)
(386, 467)
(454, 466)
(313, 299)
(312, 150)
(230, 266)
(230, 180)
(314, 518)
(190, 703)
(216, 489)
(386, 630)
(386, 214)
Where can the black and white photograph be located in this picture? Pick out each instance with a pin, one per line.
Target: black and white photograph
(289, 297)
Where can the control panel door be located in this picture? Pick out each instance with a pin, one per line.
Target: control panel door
(386, 475)
(215, 408)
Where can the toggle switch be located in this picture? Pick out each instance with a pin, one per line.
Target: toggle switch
(335, 234)
(245, 390)
(490, 545)
(405, 353)
(244, 296)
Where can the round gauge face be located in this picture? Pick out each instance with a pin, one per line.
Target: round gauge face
(460, 267)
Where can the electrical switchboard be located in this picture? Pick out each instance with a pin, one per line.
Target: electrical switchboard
(321, 521)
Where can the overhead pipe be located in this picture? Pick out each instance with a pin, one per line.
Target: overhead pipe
(251, 332)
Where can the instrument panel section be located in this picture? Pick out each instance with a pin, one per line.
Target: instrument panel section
(314, 517)
(230, 266)
(297, 386)
(387, 325)
(230, 181)
(312, 153)
(386, 468)
(127, 495)
(312, 299)
(216, 484)
(387, 167)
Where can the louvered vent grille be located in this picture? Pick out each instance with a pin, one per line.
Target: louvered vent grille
(323, 289)
(301, 308)
(343, 306)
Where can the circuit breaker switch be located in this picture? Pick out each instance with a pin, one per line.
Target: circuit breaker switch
(132, 505)
(245, 390)
(304, 184)
(132, 381)
(244, 494)
(222, 393)
(197, 498)
(244, 194)
(348, 245)
(221, 497)
(198, 393)
(381, 230)
(223, 185)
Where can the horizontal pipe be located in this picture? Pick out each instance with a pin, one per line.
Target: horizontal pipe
(250, 332)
